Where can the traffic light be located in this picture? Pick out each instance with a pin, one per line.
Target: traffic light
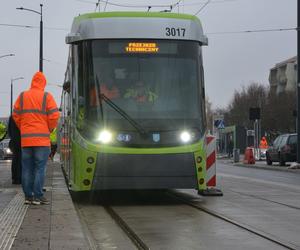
(254, 113)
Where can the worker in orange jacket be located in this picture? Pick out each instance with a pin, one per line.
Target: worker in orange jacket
(36, 115)
(108, 89)
(263, 143)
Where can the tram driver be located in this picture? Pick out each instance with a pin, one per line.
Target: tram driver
(141, 93)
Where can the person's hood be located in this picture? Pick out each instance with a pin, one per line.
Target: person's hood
(38, 81)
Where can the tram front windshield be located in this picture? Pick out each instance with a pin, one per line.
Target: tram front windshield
(157, 83)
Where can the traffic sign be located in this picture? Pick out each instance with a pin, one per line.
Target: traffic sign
(219, 124)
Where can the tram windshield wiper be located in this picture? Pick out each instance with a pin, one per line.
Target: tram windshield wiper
(137, 126)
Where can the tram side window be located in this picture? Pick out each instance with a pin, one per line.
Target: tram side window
(202, 86)
(66, 96)
(78, 78)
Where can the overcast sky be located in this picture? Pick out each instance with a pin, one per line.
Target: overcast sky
(230, 60)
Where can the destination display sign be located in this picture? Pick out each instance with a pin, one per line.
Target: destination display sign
(141, 47)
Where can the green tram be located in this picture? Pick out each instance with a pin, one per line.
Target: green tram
(133, 102)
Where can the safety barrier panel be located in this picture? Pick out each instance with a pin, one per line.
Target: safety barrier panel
(211, 180)
(249, 156)
(211, 161)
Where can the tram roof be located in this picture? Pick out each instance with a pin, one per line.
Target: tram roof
(150, 25)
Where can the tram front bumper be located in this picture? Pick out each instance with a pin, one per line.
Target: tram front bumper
(144, 171)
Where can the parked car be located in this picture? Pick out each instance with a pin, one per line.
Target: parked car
(5, 152)
(283, 149)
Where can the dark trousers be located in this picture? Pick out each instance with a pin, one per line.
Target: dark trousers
(53, 151)
(16, 167)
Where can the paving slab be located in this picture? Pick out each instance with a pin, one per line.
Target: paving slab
(53, 226)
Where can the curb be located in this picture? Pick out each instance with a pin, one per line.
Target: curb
(274, 168)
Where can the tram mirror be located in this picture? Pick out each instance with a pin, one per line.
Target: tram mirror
(66, 86)
(71, 38)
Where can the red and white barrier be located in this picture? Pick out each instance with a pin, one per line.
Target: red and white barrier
(211, 180)
(211, 161)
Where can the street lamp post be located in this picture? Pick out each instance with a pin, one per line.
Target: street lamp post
(11, 91)
(7, 55)
(298, 82)
(41, 33)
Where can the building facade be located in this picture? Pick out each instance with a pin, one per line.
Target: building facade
(283, 76)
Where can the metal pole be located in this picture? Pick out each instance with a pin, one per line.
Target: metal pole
(11, 95)
(41, 40)
(254, 136)
(298, 83)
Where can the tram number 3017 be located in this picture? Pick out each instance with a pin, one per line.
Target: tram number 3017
(175, 32)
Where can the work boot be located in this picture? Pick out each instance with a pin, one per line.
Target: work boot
(28, 200)
(40, 201)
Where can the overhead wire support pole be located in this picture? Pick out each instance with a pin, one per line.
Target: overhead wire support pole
(298, 82)
(41, 39)
(41, 33)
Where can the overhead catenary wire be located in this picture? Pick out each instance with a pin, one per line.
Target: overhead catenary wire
(149, 7)
(52, 61)
(211, 2)
(202, 7)
(16, 25)
(131, 5)
(105, 5)
(250, 31)
(208, 33)
(31, 26)
(97, 5)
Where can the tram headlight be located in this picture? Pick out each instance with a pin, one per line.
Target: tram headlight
(185, 136)
(104, 136)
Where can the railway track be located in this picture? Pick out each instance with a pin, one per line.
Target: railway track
(264, 199)
(233, 222)
(132, 236)
(170, 197)
(138, 242)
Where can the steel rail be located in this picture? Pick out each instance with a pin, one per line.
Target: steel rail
(233, 222)
(127, 230)
(264, 199)
(86, 231)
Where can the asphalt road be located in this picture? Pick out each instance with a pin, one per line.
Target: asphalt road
(277, 177)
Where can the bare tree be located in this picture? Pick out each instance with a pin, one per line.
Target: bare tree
(279, 113)
(255, 95)
(276, 110)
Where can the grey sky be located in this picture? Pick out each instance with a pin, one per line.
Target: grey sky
(230, 60)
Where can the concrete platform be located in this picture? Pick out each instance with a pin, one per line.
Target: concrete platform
(54, 226)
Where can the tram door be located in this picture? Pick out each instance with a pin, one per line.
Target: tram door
(65, 137)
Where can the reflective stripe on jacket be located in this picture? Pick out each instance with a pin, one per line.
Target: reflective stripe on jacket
(35, 113)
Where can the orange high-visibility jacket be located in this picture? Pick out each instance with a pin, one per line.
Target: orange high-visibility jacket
(263, 143)
(110, 93)
(35, 113)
